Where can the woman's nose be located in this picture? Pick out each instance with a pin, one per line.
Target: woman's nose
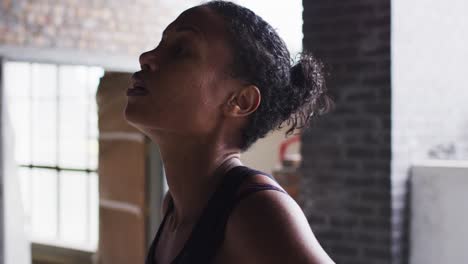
(148, 60)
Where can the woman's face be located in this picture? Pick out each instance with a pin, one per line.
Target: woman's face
(183, 80)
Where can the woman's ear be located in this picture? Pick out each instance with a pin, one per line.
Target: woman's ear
(244, 102)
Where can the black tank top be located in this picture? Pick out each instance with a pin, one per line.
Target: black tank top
(208, 233)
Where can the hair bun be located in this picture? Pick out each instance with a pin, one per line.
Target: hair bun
(307, 79)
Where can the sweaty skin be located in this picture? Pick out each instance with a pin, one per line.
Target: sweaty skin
(195, 111)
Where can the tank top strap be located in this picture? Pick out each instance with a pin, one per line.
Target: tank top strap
(256, 187)
(152, 248)
(208, 233)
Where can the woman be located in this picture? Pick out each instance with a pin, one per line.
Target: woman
(220, 79)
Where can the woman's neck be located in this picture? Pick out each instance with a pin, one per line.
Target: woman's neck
(193, 171)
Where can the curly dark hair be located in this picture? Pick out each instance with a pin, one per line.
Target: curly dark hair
(291, 93)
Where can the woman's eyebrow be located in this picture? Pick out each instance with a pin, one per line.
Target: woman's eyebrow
(188, 28)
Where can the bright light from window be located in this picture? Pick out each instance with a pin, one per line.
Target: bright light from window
(54, 117)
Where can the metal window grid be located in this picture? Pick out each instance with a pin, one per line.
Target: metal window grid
(58, 138)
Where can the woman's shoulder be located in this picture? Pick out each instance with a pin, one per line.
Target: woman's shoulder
(269, 222)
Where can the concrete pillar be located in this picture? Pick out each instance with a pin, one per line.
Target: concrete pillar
(123, 203)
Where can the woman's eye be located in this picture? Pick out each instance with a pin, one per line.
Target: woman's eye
(178, 50)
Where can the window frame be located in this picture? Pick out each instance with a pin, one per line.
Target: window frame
(52, 253)
(44, 253)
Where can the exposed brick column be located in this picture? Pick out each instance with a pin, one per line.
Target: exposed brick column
(122, 177)
(102, 31)
(346, 187)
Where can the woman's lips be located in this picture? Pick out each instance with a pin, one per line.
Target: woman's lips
(137, 91)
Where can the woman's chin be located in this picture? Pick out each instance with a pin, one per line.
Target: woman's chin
(132, 116)
(137, 118)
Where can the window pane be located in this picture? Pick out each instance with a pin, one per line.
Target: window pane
(44, 81)
(24, 175)
(44, 132)
(95, 74)
(74, 210)
(93, 119)
(93, 153)
(20, 109)
(44, 203)
(94, 210)
(73, 134)
(17, 79)
(55, 124)
(73, 82)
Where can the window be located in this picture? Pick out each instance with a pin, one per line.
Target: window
(54, 117)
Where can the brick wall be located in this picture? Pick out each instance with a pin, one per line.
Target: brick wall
(117, 27)
(346, 186)
(122, 26)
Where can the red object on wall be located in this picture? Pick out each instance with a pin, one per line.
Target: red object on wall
(285, 144)
(287, 174)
